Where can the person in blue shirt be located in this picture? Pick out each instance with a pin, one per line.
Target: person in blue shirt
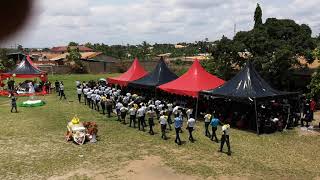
(214, 124)
(177, 125)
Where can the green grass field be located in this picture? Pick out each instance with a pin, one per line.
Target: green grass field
(32, 146)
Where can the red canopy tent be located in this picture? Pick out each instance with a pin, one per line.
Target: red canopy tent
(196, 79)
(26, 69)
(136, 71)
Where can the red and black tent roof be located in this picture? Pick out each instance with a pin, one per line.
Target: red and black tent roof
(160, 75)
(136, 71)
(192, 82)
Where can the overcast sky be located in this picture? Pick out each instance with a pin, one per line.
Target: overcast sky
(56, 23)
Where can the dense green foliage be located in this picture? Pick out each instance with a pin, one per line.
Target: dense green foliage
(314, 85)
(5, 63)
(145, 51)
(257, 16)
(273, 47)
(73, 44)
(74, 57)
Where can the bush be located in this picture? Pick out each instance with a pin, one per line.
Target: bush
(79, 69)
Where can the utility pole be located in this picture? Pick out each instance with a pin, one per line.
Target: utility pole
(234, 29)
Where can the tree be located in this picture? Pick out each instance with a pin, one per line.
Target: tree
(314, 85)
(316, 53)
(224, 58)
(74, 57)
(73, 44)
(257, 16)
(89, 45)
(275, 46)
(5, 63)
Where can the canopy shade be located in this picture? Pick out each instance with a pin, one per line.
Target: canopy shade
(246, 84)
(192, 82)
(160, 75)
(136, 71)
(26, 69)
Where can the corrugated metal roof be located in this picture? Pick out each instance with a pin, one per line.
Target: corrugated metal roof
(84, 55)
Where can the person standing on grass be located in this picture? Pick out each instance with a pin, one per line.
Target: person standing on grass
(98, 99)
(132, 112)
(89, 97)
(85, 92)
(151, 115)
(225, 138)
(123, 111)
(189, 113)
(191, 126)
(79, 92)
(93, 99)
(13, 103)
(103, 103)
(214, 124)
(207, 120)
(175, 110)
(57, 87)
(169, 110)
(163, 123)
(157, 103)
(140, 114)
(126, 100)
(144, 107)
(177, 126)
(109, 103)
(312, 108)
(119, 105)
(61, 88)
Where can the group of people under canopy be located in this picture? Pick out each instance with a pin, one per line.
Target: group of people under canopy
(26, 70)
(247, 101)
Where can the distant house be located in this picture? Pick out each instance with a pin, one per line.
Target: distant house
(64, 49)
(179, 46)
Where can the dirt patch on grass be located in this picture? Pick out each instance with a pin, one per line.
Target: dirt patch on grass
(303, 131)
(151, 167)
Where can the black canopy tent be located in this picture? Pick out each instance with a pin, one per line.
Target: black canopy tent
(160, 75)
(247, 86)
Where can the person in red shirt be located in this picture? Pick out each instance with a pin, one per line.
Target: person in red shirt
(312, 107)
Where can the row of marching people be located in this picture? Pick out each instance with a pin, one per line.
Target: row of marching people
(139, 112)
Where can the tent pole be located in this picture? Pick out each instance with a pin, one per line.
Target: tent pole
(196, 115)
(255, 108)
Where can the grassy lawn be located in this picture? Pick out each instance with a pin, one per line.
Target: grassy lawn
(32, 146)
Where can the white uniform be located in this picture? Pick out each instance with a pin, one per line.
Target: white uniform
(89, 93)
(93, 97)
(132, 111)
(189, 112)
(207, 118)
(98, 97)
(79, 91)
(140, 112)
(85, 91)
(123, 109)
(170, 107)
(163, 120)
(191, 122)
(160, 107)
(119, 105)
(176, 110)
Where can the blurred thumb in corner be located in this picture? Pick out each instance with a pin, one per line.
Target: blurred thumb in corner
(13, 16)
